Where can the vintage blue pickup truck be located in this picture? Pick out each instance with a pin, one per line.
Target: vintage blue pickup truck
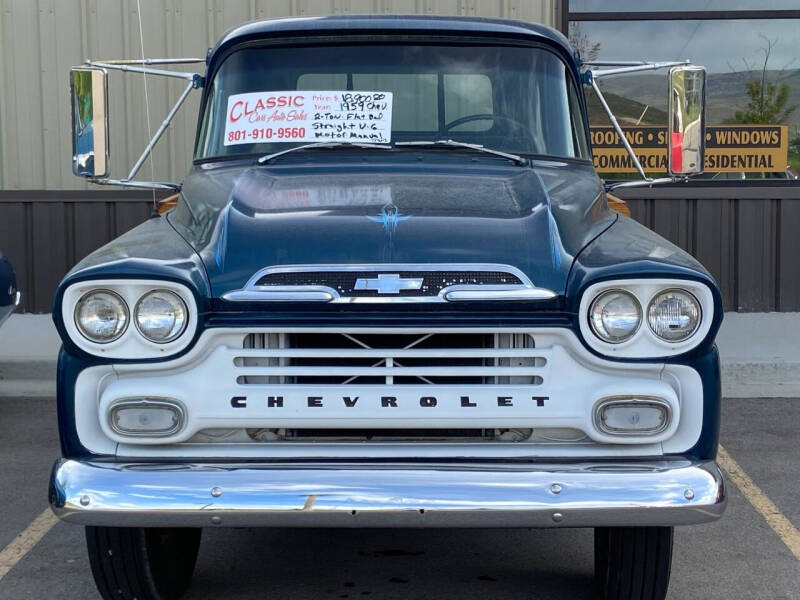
(389, 293)
(10, 296)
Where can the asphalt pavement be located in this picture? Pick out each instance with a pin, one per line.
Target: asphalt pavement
(739, 557)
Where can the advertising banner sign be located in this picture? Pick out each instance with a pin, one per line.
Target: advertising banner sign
(326, 116)
(729, 148)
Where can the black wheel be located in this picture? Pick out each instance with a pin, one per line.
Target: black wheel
(142, 563)
(632, 563)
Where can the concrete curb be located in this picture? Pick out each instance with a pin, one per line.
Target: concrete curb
(28, 379)
(761, 380)
(760, 355)
(29, 348)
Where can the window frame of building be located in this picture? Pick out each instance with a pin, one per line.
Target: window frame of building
(568, 16)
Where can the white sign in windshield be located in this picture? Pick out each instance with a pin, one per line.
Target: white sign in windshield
(333, 116)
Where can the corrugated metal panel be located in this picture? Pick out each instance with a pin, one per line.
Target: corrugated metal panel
(45, 233)
(746, 237)
(41, 39)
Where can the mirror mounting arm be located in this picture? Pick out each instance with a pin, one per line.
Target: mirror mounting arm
(147, 185)
(136, 69)
(618, 129)
(162, 128)
(653, 66)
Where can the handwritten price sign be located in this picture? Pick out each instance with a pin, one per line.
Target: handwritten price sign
(270, 117)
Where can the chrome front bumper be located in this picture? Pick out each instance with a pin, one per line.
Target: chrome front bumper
(378, 495)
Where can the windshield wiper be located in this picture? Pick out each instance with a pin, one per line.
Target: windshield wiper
(268, 157)
(450, 143)
(479, 147)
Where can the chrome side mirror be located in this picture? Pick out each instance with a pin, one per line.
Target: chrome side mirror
(687, 119)
(89, 94)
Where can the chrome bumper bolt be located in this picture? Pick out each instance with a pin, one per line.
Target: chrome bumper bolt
(556, 488)
(85, 500)
(558, 517)
(216, 492)
(688, 494)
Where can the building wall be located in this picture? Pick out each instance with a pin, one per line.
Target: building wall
(41, 39)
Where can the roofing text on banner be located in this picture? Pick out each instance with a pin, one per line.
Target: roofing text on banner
(729, 148)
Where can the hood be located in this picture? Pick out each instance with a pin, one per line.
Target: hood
(242, 219)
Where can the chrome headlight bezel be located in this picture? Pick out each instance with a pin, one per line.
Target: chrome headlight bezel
(599, 329)
(644, 343)
(175, 332)
(82, 328)
(132, 344)
(691, 298)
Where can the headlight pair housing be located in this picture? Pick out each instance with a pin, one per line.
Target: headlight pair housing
(641, 318)
(129, 318)
(102, 316)
(672, 315)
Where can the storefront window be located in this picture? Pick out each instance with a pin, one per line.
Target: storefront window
(627, 6)
(752, 89)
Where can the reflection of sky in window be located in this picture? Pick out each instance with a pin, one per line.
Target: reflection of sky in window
(720, 46)
(677, 5)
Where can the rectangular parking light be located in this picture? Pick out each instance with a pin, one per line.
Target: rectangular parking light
(148, 417)
(633, 416)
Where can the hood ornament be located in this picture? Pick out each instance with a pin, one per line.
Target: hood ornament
(390, 217)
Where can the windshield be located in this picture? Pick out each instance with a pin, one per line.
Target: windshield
(515, 99)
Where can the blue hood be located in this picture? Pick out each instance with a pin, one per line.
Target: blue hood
(241, 219)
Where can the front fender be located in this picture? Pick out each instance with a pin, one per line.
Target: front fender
(152, 250)
(630, 250)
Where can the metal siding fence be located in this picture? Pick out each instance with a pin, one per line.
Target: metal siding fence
(746, 237)
(45, 233)
(41, 39)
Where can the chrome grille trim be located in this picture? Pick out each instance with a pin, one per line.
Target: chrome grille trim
(427, 282)
(256, 291)
(397, 358)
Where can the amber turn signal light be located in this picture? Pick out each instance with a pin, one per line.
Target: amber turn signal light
(618, 204)
(166, 204)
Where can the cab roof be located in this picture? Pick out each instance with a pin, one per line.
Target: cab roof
(387, 25)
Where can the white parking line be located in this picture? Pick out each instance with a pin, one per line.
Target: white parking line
(22, 544)
(765, 507)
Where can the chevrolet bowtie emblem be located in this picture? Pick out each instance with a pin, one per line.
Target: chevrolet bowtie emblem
(388, 284)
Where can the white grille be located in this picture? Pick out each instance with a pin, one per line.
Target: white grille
(394, 359)
(484, 388)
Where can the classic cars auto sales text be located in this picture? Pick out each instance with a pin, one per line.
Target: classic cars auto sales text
(324, 116)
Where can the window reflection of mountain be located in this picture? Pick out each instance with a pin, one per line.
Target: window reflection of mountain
(725, 94)
(627, 110)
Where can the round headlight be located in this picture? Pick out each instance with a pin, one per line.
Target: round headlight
(674, 315)
(615, 316)
(161, 316)
(101, 316)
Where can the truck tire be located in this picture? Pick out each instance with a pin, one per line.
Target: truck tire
(632, 563)
(142, 563)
